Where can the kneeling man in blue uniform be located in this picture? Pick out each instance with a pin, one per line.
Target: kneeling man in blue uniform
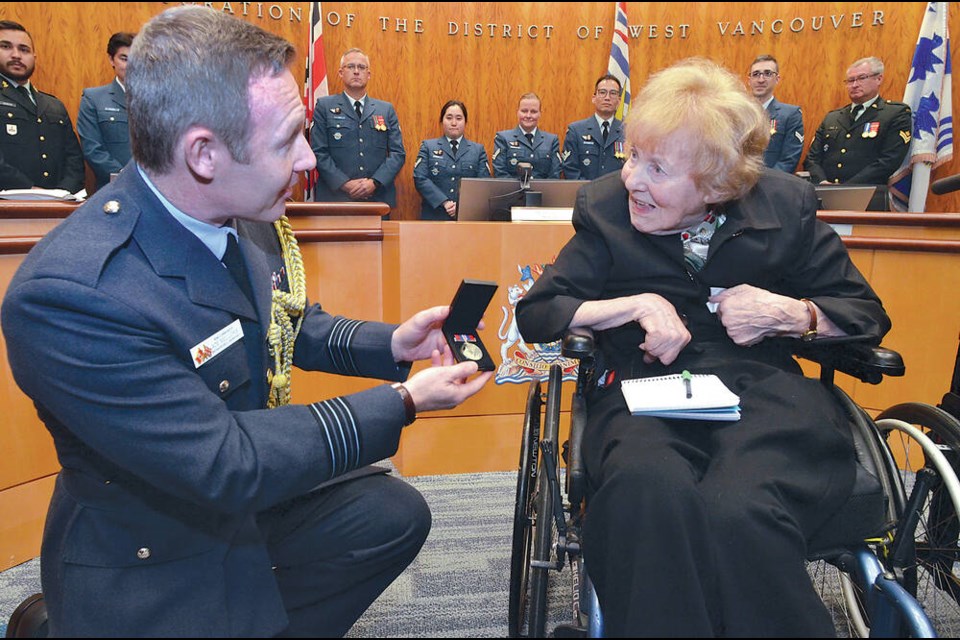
(167, 312)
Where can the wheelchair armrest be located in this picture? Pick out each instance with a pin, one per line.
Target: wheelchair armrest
(578, 343)
(856, 356)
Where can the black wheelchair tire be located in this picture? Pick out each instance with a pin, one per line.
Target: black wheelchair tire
(523, 515)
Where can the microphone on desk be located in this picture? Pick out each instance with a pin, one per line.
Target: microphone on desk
(525, 171)
(946, 185)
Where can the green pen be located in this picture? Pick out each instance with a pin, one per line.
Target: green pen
(687, 378)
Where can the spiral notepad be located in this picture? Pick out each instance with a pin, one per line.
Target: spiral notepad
(666, 397)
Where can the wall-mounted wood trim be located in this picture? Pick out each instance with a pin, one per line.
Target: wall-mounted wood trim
(882, 218)
(32, 209)
(902, 244)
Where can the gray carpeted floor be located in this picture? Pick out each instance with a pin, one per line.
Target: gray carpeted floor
(457, 586)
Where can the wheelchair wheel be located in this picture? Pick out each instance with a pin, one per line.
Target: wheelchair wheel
(523, 518)
(535, 532)
(934, 577)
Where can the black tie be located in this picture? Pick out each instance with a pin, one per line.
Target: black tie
(606, 131)
(453, 145)
(529, 138)
(857, 110)
(356, 107)
(26, 93)
(233, 261)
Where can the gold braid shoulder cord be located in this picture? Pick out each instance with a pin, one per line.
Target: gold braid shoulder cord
(286, 316)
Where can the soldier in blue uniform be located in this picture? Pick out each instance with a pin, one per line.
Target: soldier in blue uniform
(102, 121)
(37, 138)
(594, 147)
(163, 310)
(526, 143)
(356, 140)
(863, 142)
(441, 163)
(786, 120)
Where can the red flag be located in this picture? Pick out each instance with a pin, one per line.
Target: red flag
(315, 83)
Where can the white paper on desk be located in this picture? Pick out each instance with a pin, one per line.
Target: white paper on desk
(712, 306)
(666, 397)
(43, 194)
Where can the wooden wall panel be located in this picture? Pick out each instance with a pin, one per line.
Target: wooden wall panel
(420, 65)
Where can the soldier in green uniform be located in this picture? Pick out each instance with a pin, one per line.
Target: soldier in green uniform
(863, 142)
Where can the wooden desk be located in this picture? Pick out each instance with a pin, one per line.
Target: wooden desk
(361, 267)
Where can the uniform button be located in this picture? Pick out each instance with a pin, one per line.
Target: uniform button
(361, 140)
(453, 166)
(848, 135)
(839, 165)
(843, 150)
(451, 190)
(224, 386)
(361, 168)
(106, 482)
(43, 155)
(111, 118)
(42, 138)
(143, 553)
(361, 154)
(111, 206)
(9, 115)
(40, 120)
(46, 174)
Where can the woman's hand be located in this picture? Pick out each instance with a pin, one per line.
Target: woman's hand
(667, 334)
(750, 314)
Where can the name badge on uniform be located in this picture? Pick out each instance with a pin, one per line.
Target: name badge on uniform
(216, 343)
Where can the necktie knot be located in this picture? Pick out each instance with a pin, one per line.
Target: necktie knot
(358, 108)
(25, 92)
(857, 110)
(606, 131)
(529, 137)
(453, 145)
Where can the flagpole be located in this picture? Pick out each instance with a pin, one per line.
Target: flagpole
(919, 185)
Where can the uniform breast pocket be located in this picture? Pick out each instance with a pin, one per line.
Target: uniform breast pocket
(831, 132)
(228, 371)
(379, 139)
(113, 126)
(341, 133)
(16, 129)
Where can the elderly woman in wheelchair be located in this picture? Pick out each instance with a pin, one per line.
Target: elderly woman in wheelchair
(697, 258)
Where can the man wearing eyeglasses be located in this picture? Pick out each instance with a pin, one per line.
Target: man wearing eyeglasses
(356, 140)
(594, 147)
(863, 142)
(786, 120)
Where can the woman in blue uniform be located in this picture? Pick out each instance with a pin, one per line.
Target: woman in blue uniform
(441, 163)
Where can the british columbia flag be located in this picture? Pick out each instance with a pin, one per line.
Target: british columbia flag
(930, 98)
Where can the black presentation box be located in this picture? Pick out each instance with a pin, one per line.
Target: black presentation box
(460, 328)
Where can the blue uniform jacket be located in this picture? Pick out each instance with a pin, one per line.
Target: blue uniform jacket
(38, 142)
(786, 136)
(347, 148)
(512, 147)
(152, 527)
(104, 130)
(437, 173)
(585, 156)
